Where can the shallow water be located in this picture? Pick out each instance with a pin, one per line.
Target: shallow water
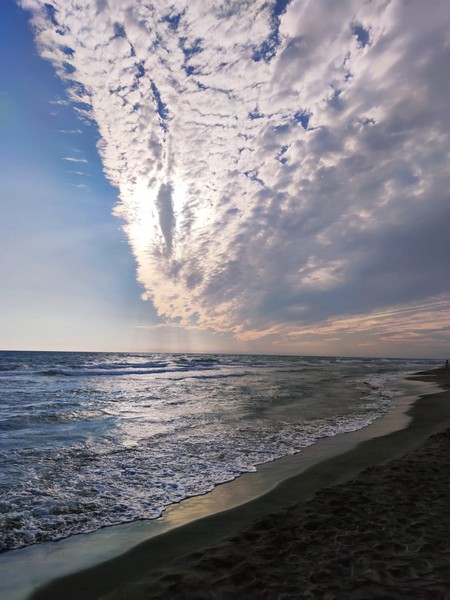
(89, 440)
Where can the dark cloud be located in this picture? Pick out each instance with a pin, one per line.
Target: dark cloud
(166, 214)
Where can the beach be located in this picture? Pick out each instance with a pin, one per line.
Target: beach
(372, 522)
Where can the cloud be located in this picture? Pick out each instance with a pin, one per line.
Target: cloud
(278, 163)
(164, 206)
(70, 131)
(81, 173)
(418, 321)
(80, 186)
(74, 159)
(60, 102)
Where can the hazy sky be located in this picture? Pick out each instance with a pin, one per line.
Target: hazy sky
(246, 175)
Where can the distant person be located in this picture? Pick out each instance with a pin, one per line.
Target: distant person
(446, 364)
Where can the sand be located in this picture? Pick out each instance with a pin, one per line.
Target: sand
(384, 535)
(371, 523)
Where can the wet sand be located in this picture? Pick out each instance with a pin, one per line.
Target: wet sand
(342, 529)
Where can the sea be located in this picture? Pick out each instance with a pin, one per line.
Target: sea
(89, 440)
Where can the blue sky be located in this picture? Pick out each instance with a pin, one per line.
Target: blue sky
(268, 177)
(68, 279)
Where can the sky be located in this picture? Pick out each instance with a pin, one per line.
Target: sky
(240, 176)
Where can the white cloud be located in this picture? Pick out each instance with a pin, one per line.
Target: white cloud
(70, 131)
(60, 102)
(269, 166)
(74, 159)
(80, 186)
(81, 173)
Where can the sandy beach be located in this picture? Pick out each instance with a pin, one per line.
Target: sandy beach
(370, 523)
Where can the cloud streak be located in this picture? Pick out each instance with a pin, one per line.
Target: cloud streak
(278, 163)
(74, 159)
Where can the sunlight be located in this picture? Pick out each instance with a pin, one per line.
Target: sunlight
(140, 210)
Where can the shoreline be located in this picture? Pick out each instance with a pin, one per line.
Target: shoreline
(346, 542)
(120, 576)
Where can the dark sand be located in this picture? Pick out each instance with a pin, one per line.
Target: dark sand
(380, 531)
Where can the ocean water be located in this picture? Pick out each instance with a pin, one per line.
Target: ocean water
(89, 440)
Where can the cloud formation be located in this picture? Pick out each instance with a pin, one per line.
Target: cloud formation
(279, 164)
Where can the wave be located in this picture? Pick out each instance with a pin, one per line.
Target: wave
(53, 372)
(219, 375)
(64, 416)
(126, 369)
(131, 447)
(126, 484)
(123, 365)
(104, 373)
(14, 367)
